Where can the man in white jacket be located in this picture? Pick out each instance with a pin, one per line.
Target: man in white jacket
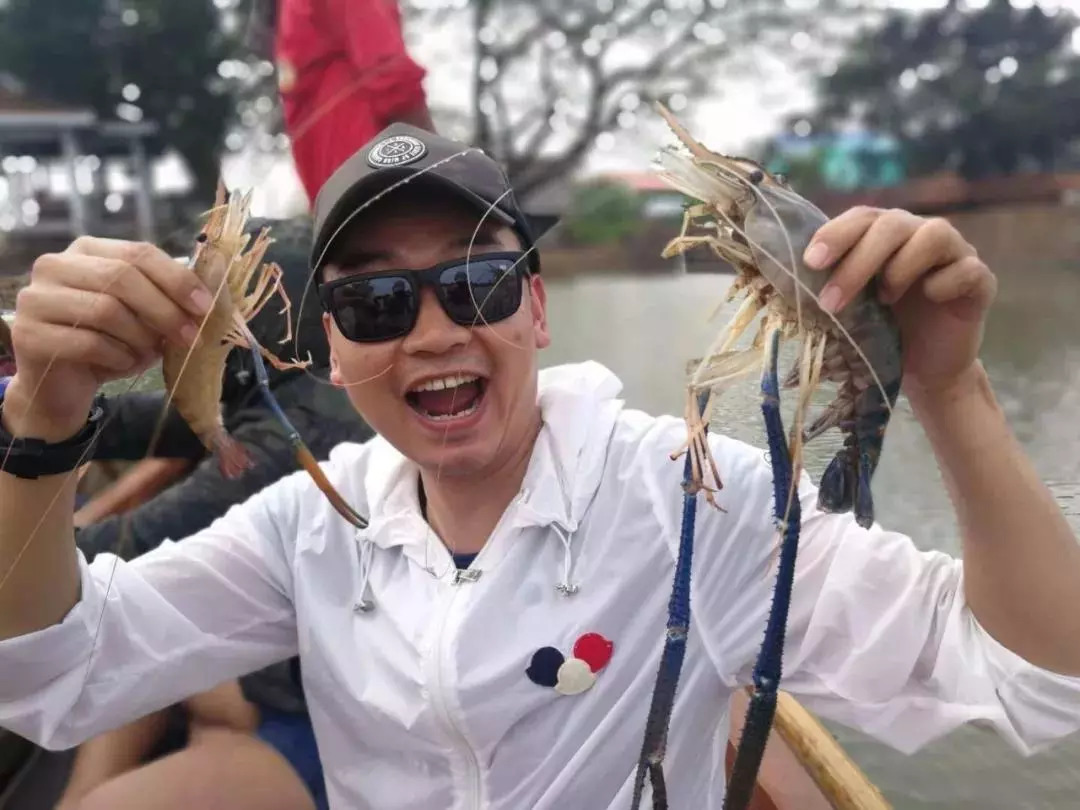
(491, 639)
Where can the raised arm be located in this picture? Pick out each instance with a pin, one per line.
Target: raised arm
(94, 313)
(1021, 558)
(904, 644)
(880, 635)
(85, 648)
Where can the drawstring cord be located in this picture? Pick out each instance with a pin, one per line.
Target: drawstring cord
(365, 556)
(566, 587)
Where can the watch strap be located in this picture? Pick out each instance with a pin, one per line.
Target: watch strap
(29, 457)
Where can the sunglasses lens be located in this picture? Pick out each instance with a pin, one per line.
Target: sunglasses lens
(481, 291)
(370, 309)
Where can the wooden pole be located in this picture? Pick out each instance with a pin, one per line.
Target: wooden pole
(843, 782)
(804, 768)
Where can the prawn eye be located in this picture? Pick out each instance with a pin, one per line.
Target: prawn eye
(756, 176)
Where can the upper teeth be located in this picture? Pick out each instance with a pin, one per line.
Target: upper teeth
(451, 381)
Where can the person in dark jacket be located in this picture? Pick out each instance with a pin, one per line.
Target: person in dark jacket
(261, 720)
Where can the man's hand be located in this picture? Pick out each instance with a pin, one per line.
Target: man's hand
(99, 311)
(932, 277)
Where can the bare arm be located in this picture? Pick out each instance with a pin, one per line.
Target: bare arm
(37, 549)
(1021, 558)
(96, 312)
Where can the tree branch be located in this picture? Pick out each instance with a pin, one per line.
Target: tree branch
(550, 95)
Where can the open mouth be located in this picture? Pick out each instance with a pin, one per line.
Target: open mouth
(452, 397)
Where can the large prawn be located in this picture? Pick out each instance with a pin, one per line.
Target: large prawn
(227, 264)
(757, 224)
(761, 229)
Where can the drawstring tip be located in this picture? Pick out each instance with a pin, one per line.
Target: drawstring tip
(566, 589)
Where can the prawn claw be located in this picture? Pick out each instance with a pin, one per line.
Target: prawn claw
(306, 460)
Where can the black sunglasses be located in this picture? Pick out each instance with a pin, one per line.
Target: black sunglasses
(373, 307)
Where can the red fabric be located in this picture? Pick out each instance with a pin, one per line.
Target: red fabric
(344, 75)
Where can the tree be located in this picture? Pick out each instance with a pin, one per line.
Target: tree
(602, 212)
(543, 79)
(547, 77)
(980, 92)
(152, 59)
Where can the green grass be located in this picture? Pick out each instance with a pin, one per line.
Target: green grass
(150, 380)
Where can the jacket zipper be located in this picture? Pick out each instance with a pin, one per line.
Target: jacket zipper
(438, 699)
(438, 692)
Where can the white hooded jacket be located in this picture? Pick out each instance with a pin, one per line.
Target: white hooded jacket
(415, 672)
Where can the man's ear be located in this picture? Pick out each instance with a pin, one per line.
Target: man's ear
(335, 367)
(538, 308)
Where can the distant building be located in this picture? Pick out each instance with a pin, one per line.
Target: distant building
(53, 160)
(843, 161)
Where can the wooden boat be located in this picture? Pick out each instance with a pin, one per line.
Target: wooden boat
(804, 767)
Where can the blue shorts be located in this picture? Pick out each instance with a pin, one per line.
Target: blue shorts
(294, 738)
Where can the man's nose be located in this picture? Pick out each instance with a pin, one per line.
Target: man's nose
(434, 332)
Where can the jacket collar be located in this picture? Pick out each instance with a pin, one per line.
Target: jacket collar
(578, 406)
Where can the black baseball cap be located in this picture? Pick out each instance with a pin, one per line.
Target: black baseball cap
(403, 151)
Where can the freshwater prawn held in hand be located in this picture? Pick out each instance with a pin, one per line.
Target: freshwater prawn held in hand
(226, 264)
(762, 227)
(193, 377)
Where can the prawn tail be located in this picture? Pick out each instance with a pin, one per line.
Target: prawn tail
(232, 457)
(845, 485)
(864, 498)
(836, 492)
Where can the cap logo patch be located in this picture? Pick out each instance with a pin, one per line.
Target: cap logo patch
(397, 150)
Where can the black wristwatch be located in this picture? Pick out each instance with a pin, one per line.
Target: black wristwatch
(33, 458)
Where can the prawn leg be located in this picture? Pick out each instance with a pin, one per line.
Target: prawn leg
(738, 324)
(266, 286)
(237, 337)
(675, 246)
(768, 668)
(810, 375)
(654, 745)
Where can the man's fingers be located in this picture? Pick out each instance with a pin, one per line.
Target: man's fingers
(875, 245)
(935, 243)
(170, 276)
(967, 278)
(49, 343)
(66, 306)
(838, 235)
(125, 282)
